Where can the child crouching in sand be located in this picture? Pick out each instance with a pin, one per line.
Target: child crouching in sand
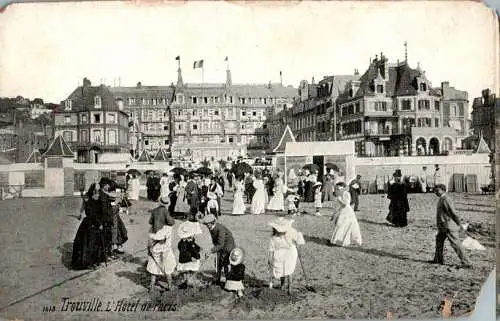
(161, 259)
(234, 281)
(283, 251)
(189, 251)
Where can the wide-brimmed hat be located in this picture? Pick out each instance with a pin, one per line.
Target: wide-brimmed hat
(236, 256)
(210, 218)
(211, 195)
(185, 231)
(164, 200)
(317, 184)
(281, 224)
(397, 173)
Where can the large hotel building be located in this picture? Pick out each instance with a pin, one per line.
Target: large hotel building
(193, 121)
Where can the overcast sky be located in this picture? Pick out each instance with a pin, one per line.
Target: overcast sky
(47, 48)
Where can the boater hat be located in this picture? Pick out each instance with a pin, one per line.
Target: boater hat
(236, 256)
(281, 224)
(317, 184)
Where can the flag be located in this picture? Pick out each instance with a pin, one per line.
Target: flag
(178, 58)
(226, 59)
(198, 64)
(280, 73)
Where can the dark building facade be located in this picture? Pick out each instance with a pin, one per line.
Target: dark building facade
(92, 122)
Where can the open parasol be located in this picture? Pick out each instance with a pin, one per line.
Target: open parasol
(333, 166)
(241, 169)
(311, 167)
(151, 171)
(133, 171)
(204, 171)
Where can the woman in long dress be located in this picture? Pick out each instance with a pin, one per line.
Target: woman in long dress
(133, 191)
(239, 201)
(399, 206)
(259, 197)
(277, 202)
(181, 205)
(164, 186)
(346, 231)
(88, 246)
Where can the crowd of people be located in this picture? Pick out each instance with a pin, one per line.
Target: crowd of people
(197, 199)
(102, 232)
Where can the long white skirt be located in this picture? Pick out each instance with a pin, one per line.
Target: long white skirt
(277, 202)
(238, 204)
(346, 231)
(259, 202)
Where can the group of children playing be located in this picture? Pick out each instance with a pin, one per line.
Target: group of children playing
(293, 199)
(161, 260)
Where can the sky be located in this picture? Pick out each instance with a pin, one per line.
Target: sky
(46, 49)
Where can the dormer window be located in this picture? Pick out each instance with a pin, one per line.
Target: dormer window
(119, 103)
(97, 102)
(423, 86)
(68, 104)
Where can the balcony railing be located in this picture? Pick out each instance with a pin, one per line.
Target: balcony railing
(384, 132)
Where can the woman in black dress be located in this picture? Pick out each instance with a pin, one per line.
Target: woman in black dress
(88, 246)
(399, 206)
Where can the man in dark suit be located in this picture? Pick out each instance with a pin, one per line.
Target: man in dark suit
(445, 213)
(223, 241)
(192, 192)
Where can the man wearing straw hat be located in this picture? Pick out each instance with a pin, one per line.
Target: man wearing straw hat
(445, 213)
(223, 241)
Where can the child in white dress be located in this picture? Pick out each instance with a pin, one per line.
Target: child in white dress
(283, 251)
(161, 259)
(212, 205)
(318, 193)
(293, 200)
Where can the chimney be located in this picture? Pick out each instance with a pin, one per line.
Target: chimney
(86, 82)
(312, 81)
(356, 72)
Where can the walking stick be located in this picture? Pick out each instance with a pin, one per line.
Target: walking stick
(308, 286)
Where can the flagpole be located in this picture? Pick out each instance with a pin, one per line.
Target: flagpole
(202, 73)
